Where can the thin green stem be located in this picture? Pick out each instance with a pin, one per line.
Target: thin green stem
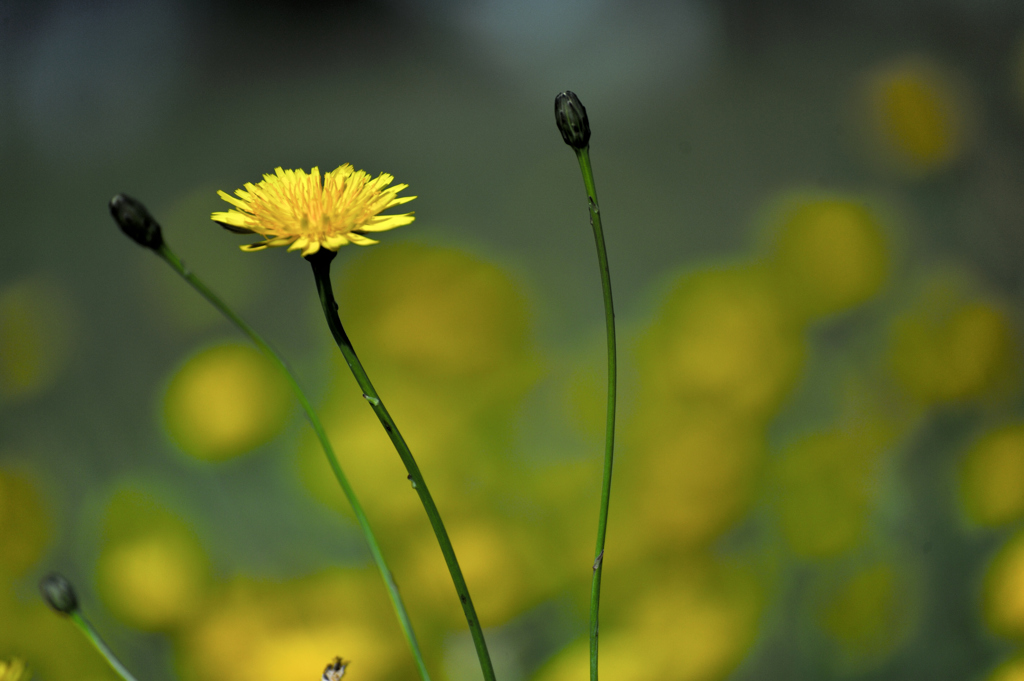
(364, 524)
(321, 262)
(94, 638)
(583, 155)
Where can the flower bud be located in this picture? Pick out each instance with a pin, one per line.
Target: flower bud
(571, 117)
(136, 222)
(58, 593)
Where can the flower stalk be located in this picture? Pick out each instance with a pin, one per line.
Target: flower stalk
(572, 121)
(321, 263)
(121, 206)
(93, 636)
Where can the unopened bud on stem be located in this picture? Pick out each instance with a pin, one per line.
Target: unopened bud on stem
(571, 117)
(58, 593)
(135, 221)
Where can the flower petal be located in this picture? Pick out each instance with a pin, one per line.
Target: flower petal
(383, 223)
(400, 200)
(360, 240)
(336, 242)
(239, 203)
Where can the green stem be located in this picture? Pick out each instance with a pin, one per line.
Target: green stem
(321, 434)
(321, 262)
(583, 155)
(97, 642)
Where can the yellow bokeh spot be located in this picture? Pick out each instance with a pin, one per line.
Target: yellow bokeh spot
(499, 563)
(992, 477)
(1011, 670)
(826, 484)
(1004, 590)
(696, 625)
(724, 339)
(702, 623)
(563, 505)
(25, 526)
(34, 337)
(830, 254)
(288, 632)
(156, 582)
(439, 433)
(225, 401)
(622, 658)
(439, 314)
(868, 616)
(949, 351)
(691, 478)
(916, 115)
(152, 571)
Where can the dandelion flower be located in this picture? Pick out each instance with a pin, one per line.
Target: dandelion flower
(13, 670)
(295, 209)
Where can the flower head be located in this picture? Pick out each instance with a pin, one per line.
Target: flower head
(295, 209)
(14, 670)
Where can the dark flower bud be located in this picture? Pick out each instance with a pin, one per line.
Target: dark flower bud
(58, 593)
(571, 117)
(136, 222)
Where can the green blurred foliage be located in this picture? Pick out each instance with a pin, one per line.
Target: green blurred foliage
(36, 330)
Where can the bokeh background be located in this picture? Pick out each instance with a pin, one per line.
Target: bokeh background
(814, 213)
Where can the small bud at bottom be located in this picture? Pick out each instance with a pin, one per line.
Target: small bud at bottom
(58, 593)
(335, 670)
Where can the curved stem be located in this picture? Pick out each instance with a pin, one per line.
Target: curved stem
(364, 524)
(321, 262)
(94, 638)
(583, 155)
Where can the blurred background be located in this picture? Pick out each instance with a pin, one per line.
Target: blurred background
(814, 216)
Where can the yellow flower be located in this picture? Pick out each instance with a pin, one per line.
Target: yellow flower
(295, 209)
(14, 670)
